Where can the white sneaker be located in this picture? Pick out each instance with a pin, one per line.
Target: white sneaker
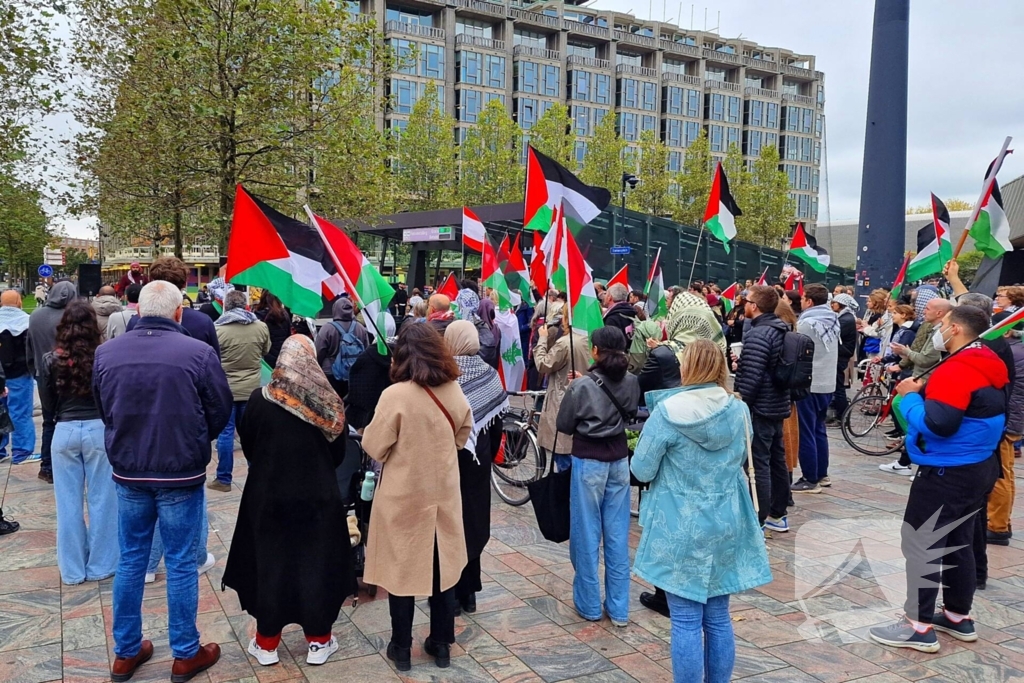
(896, 468)
(210, 561)
(318, 653)
(150, 577)
(264, 657)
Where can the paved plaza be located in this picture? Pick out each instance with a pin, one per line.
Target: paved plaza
(838, 572)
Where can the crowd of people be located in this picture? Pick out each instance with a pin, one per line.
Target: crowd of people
(137, 384)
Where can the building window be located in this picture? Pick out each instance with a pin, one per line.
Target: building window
(672, 132)
(409, 16)
(581, 50)
(806, 120)
(673, 66)
(819, 125)
(581, 119)
(673, 101)
(581, 85)
(791, 174)
(648, 123)
(581, 152)
(526, 112)
(771, 139)
(650, 97)
(403, 95)
(495, 73)
(473, 27)
(752, 142)
(526, 77)
(628, 95)
(805, 178)
(551, 83)
(432, 61)
(627, 127)
(771, 115)
(817, 152)
(675, 162)
(403, 51)
(712, 73)
(468, 104)
(805, 149)
(693, 103)
(732, 112)
(790, 87)
(626, 58)
(715, 106)
(470, 67)
(530, 39)
(754, 114)
(602, 89)
(815, 177)
(692, 132)
(716, 136)
(753, 82)
(732, 137)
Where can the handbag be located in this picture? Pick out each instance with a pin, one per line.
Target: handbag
(633, 481)
(550, 499)
(6, 426)
(451, 422)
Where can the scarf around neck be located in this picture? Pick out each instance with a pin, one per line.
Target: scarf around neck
(299, 386)
(440, 315)
(13, 320)
(690, 319)
(484, 392)
(237, 315)
(823, 321)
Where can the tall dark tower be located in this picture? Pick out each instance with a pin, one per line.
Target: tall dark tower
(880, 240)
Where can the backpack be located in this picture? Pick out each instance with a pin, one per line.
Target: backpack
(795, 367)
(349, 349)
(489, 350)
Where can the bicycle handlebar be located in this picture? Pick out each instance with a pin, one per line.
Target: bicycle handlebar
(530, 394)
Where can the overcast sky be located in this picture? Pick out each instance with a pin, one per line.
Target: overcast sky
(966, 84)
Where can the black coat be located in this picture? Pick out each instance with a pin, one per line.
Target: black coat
(847, 338)
(622, 315)
(661, 371)
(290, 560)
(368, 378)
(279, 332)
(762, 344)
(475, 486)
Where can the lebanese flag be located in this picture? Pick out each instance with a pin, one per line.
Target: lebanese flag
(272, 251)
(512, 368)
(584, 308)
(805, 248)
(450, 287)
(901, 277)
(361, 278)
(473, 233)
(729, 296)
(549, 184)
(621, 278)
(720, 216)
(657, 299)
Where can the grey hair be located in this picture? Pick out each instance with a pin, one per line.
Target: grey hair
(234, 299)
(618, 292)
(159, 299)
(977, 300)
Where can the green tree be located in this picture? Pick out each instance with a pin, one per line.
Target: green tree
(694, 182)
(427, 175)
(953, 204)
(23, 226)
(553, 135)
(652, 194)
(490, 169)
(353, 178)
(969, 262)
(72, 259)
(603, 162)
(767, 207)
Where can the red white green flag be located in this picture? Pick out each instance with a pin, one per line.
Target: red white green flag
(729, 296)
(621, 278)
(991, 229)
(805, 248)
(1001, 328)
(549, 184)
(518, 276)
(901, 277)
(450, 287)
(763, 280)
(657, 299)
(720, 216)
(494, 277)
(538, 270)
(584, 308)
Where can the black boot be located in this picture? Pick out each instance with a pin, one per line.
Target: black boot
(7, 526)
(401, 656)
(441, 652)
(655, 601)
(468, 604)
(998, 537)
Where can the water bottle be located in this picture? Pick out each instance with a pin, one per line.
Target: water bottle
(369, 481)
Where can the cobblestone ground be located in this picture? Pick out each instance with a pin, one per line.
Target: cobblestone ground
(838, 572)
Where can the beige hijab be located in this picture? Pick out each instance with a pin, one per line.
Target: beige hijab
(462, 338)
(300, 386)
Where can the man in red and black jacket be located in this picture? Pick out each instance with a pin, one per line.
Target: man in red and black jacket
(954, 426)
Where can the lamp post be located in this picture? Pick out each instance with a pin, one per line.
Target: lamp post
(632, 181)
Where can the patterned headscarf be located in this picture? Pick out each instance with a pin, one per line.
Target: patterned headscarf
(468, 302)
(300, 386)
(925, 293)
(689, 319)
(218, 289)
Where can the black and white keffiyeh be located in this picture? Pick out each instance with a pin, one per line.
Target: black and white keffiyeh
(484, 392)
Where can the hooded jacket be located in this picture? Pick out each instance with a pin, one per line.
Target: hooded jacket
(328, 339)
(369, 377)
(959, 417)
(105, 306)
(762, 347)
(42, 323)
(1015, 410)
(593, 420)
(623, 316)
(701, 537)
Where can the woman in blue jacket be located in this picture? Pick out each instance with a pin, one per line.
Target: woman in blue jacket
(701, 540)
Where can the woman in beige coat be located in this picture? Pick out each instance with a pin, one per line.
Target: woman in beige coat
(420, 423)
(554, 362)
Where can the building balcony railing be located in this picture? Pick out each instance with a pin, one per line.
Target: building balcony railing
(593, 62)
(761, 92)
(761, 64)
(680, 48)
(492, 8)
(635, 39)
(721, 57)
(799, 71)
(670, 77)
(721, 85)
(539, 52)
(533, 17)
(636, 70)
(799, 99)
(414, 30)
(478, 41)
(588, 29)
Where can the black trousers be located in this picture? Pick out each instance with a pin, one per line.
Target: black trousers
(442, 613)
(840, 401)
(954, 496)
(469, 583)
(770, 471)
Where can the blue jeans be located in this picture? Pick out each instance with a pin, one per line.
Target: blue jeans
(177, 511)
(599, 507)
(226, 444)
(157, 552)
(83, 475)
(693, 661)
(19, 399)
(811, 413)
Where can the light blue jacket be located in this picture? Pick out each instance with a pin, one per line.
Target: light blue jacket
(701, 537)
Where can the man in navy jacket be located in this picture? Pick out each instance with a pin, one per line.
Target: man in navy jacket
(163, 397)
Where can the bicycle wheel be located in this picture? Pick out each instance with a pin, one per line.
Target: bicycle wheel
(523, 462)
(872, 389)
(865, 425)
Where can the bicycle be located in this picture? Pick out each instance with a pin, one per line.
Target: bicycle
(866, 422)
(874, 383)
(522, 461)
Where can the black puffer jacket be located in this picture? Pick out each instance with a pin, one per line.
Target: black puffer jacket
(762, 344)
(847, 338)
(661, 371)
(622, 315)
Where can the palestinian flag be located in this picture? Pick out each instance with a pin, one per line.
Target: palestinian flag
(538, 270)
(549, 184)
(991, 230)
(763, 280)
(270, 250)
(450, 287)
(657, 302)
(934, 249)
(493, 276)
(621, 278)
(584, 308)
(1001, 328)
(901, 277)
(549, 247)
(720, 216)
(473, 233)
(729, 296)
(517, 275)
(362, 280)
(805, 248)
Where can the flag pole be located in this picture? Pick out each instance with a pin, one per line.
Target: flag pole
(696, 252)
(349, 285)
(986, 187)
(568, 291)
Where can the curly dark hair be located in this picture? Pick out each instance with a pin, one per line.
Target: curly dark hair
(421, 356)
(78, 335)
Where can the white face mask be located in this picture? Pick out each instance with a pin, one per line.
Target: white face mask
(938, 341)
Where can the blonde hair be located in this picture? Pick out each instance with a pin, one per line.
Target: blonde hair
(702, 362)
(785, 312)
(878, 300)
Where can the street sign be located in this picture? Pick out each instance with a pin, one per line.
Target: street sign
(45, 271)
(620, 250)
(443, 233)
(53, 257)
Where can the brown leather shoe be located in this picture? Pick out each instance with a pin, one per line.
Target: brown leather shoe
(184, 669)
(124, 667)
